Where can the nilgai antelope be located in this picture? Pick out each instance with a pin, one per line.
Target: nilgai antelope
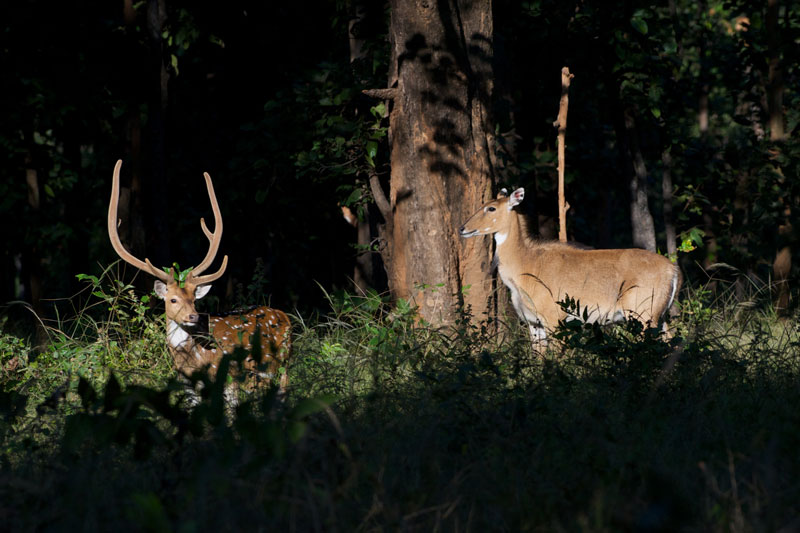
(188, 344)
(610, 285)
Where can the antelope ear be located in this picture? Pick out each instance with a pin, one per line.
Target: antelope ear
(503, 193)
(161, 289)
(201, 291)
(516, 197)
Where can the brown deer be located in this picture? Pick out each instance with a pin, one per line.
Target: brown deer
(611, 285)
(191, 348)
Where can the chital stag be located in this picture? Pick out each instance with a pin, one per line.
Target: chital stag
(610, 285)
(189, 346)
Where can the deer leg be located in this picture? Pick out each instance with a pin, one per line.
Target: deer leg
(538, 337)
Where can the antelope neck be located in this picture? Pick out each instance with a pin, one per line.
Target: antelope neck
(512, 234)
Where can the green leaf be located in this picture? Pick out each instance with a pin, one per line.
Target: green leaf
(309, 406)
(372, 151)
(83, 277)
(372, 148)
(354, 197)
(378, 111)
(639, 25)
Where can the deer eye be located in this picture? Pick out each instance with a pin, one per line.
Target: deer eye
(174, 300)
(490, 208)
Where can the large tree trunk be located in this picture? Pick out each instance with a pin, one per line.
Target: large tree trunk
(644, 232)
(782, 265)
(131, 209)
(154, 181)
(441, 156)
(666, 193)
(31, 255)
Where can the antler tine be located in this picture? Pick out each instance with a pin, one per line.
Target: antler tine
(208, 278)
(206, 230)
(113, 221)
(213, 238)
(200, 280)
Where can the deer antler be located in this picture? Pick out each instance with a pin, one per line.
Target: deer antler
(214, 240)
(113, 221)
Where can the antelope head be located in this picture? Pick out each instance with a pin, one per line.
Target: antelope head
(494, 217)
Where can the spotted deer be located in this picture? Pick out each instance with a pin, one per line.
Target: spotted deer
(191, 347)
(611, 285)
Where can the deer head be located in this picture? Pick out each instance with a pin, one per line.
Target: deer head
(179, 298)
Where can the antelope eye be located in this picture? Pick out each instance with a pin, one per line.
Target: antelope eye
(490, 208)
(174, 301)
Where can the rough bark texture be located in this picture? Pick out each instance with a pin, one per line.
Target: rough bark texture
(782, 265)
(561, 125)
(775, 83)
(154, 181)
(644, 232)
(666, 192)
(441, 169)
(31, 256)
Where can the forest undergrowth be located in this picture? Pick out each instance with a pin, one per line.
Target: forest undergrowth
(390, 424)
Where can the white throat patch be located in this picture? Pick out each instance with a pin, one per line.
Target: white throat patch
(176, 335)
(500, 238)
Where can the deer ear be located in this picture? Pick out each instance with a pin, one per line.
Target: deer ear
(503, 193)
(201, 291)
(161, 289)
(516, 197)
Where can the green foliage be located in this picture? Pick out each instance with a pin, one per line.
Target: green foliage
(349, 140)
(109, 327)
(392, 424)
(178, 274)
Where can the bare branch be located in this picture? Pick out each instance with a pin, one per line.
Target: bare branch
(381, 94)
(380, 198)
(561, 124)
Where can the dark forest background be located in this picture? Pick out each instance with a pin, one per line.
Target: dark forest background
(266, 97)
(393, 421)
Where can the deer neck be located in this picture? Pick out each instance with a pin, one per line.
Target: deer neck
(177, 337)
(186, 352)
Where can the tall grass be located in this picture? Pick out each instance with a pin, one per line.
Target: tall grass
(393, 425)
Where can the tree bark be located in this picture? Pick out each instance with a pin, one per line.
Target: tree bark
(32, 274)
(666, 193)
(775, 83)
(441, 156)
(154, 182)
(644, 232)
(561, 125)
(782, 264)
